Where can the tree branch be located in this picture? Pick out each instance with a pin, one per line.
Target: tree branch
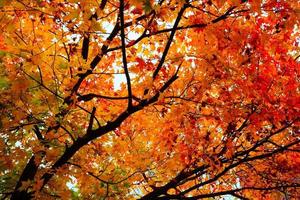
(180, 178)
(85, 46)
(90, 96)
(110, 126)
(168, 45)
(124, 54)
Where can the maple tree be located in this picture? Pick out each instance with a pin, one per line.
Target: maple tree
(149, 99)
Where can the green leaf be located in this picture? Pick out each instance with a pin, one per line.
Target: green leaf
(126, 185)
(4, 84)
(2, 3)
(2, 53)
(63, 65)
(75, 194)
(36, 101)
(147, 6)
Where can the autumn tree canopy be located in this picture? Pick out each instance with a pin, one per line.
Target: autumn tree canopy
(149, 99)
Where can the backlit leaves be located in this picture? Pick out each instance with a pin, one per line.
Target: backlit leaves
(220, 116)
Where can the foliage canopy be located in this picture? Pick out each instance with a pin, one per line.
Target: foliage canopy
(150, 99)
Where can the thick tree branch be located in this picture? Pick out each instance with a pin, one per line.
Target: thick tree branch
(90, 126)
(110, 126)
(29, 170)
(103, 3)
(27, 174)
(38, 134)
(85, 46)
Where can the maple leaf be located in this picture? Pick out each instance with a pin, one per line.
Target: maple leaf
(149, 99)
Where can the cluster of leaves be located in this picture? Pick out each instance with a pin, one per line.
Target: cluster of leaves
(149, 99)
